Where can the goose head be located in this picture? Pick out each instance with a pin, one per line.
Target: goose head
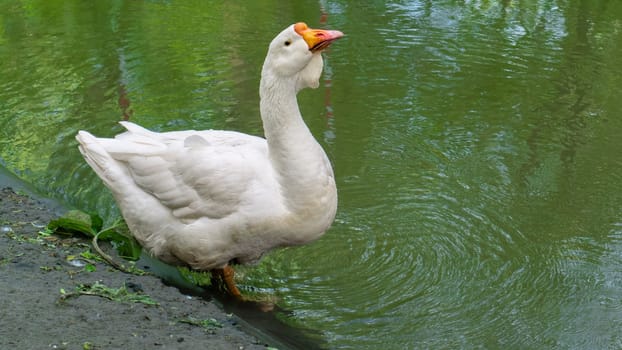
(295, 55)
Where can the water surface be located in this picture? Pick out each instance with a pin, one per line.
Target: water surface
(476, 146)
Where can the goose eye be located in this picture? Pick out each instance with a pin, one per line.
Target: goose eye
(288, 42)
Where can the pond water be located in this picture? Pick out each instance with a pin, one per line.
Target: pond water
(477, 147)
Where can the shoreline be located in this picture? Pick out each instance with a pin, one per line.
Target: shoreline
(43, 279)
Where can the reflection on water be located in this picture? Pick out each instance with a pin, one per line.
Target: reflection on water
(475, 146)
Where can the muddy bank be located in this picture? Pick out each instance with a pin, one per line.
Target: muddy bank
(44, 280)
(52, 295)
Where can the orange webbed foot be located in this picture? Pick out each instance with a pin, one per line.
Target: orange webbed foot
(226, 276)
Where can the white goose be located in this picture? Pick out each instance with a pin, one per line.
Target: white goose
(206, 199)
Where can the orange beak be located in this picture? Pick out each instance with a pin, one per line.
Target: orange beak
(317, 39)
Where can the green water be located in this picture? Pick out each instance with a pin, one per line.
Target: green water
(477, 147)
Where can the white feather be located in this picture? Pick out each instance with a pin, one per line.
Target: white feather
(204, 198)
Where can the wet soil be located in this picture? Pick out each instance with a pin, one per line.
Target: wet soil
(36, 269)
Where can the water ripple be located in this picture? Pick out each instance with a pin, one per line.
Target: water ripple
(474, 144)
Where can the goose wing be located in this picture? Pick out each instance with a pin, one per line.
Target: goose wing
(196, 174)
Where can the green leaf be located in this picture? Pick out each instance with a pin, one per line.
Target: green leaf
(128, 248)
(74, 222)
(87, 254)
(96, 222)
(90, 268)
(120, 294)
(125, 244)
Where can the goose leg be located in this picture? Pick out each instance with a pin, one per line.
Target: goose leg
(226, 275)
